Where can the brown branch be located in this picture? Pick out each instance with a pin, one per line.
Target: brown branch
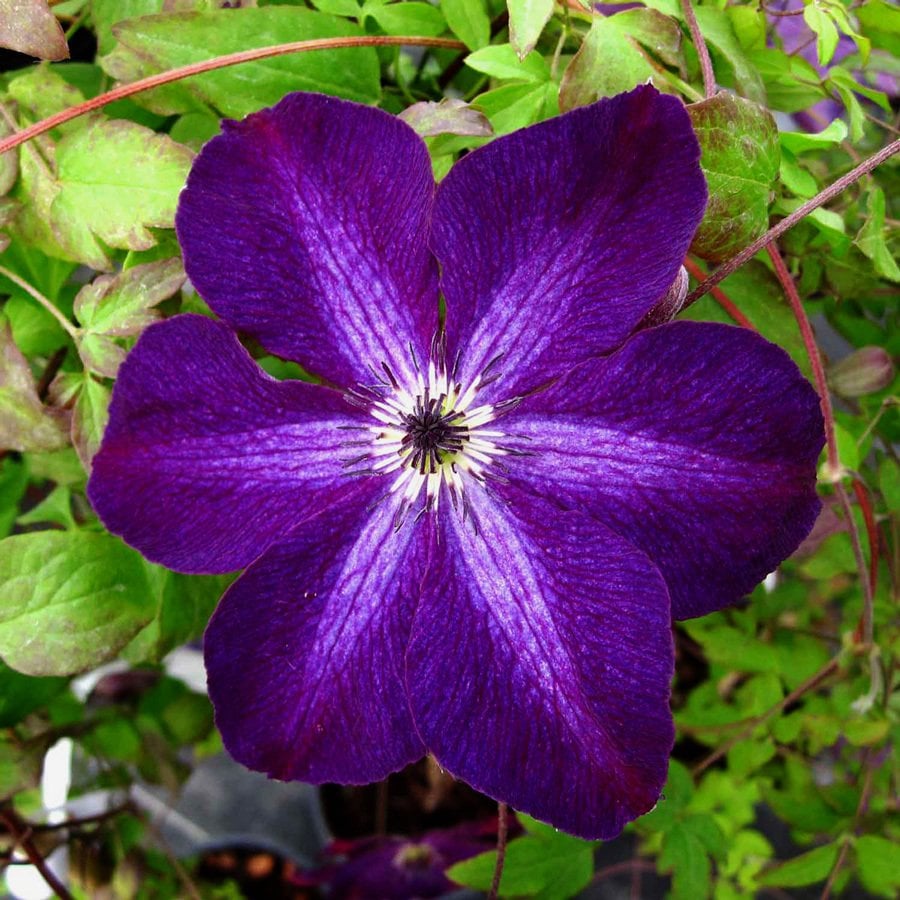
(706, 66)
(218, 62)
(21, 832)
(789, 221)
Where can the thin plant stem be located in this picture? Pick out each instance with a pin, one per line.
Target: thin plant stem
(831, 450)
(720, 296)
(706, 66)
(502, 835)
(865, 504)
(815, 357)
(21, 833)
(67, 326)
(219, 62)
(789, 221)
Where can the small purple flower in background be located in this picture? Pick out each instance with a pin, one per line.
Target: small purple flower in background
(798, 38)
(480, 555)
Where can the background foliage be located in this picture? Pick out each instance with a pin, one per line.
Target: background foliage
(787, 707)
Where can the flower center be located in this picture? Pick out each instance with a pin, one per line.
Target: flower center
(433, 434)
(430, 436)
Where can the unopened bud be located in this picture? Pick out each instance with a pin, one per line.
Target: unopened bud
(669, 305)
(864, 371)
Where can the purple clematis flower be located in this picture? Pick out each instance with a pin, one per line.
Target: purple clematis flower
(480, 555)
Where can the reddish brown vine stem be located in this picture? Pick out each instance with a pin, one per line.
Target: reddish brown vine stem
(706, 66)
(720, 296)
(21, 833)
(831, 449)
(219, 62)
(733, 264)
(502, 834)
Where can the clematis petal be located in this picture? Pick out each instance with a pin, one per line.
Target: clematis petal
(697, 442)
(305, 652)
(539, 663)
(305, 226)
(557, 240)
(206, 459)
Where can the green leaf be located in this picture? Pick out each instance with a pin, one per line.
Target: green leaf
(878, 864)
(514, 106)
(450, 116)
(545, 863)
(807, 868)
(717, 31)
(659, 33)
(469, 21)
(407, 18)
(889, 482)
(500, 61)
(41, 91)
(800, 141)
(186, 603)
(54, 509)
(740, 157)
(527, 19)
(69, 600)
(593, 74)
(29, 26)
(871, 240)
(89, 418)
(106, 13)
(116, 180)
(25, 423)
(13, 481)
(822, 25)
(20, 764)
(21, 694)
(123, 305)
(156, 43)
(338, 7)
(9, 162)
(685, 857)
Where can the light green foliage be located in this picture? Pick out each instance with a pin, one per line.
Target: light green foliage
(69, 600)
(590, 75)
(116, 306)
(807, 868)
(469, 21)
(740, 155)
(405, 18)
(25, 423)
(164, 42)
(116, 180)
(527, 19)
(544, 863)
(871, 238)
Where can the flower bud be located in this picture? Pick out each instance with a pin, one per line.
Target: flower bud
(864, 371)
(669, 305)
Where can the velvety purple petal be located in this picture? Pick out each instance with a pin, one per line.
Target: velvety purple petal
(305, 226)
(206, 459)
(697, 442)
(305, 651)
(557, 240)
(540, 661)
